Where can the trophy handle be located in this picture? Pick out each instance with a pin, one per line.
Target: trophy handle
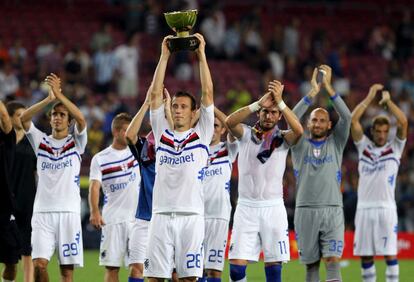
(189, 43)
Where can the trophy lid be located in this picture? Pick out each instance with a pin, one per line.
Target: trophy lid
(181, 20)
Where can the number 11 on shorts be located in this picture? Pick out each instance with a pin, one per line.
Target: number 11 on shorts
(282, 247)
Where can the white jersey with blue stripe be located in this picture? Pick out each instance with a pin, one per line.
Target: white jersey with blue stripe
(378, 170)
(118, 173)
(58, 168)
(181, 158)
(216, 180)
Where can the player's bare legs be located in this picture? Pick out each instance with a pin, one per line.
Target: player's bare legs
(10, 271)
(188, 279)
(111, 274)
(212, 273)
(66, 273)
(40, 267)
(136, 270)
(151, 279)
(28, 269)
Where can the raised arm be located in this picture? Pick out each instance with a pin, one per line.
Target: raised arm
(157, 84)
(296, 129)
(54, 83)
(222, 118)
(356, 128)
(341, 130)
(205, 76)
(234, 120)
(302, 106)
(28, 114)
(402, 122)
(131, 133)
(5, 121)
(95, 215)
(167, 108)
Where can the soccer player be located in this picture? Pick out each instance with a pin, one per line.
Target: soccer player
(9, 237)
(176, 231)
(260, 220)
(317, 160)
(24, 187)
(117, 171)
(56, 221)
(217, 205)
(376, 217)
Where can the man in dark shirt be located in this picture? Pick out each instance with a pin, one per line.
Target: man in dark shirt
(9, 242)
(23, 186)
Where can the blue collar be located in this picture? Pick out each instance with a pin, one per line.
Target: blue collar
(317, 143)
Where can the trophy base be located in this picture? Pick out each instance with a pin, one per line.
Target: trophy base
(189, 43)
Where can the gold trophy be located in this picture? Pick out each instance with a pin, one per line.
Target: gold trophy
(182, 22)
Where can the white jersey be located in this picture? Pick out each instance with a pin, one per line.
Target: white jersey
(58, 167)
(216, 180)
(118, 173)
(181, 158)
(260, 184)
(378, 170)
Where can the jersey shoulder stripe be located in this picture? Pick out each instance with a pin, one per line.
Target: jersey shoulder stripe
(116, 162)
(117, 176)
(176, 153)
(59, 158)
(118, 168)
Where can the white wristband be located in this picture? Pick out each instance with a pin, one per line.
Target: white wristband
(254, 107)
(281, 106)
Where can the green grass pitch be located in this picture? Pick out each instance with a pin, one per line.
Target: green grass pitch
(292, 271)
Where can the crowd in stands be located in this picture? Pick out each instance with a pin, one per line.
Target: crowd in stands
(108, 70)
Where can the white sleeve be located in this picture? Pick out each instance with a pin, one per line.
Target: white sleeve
(35, 136)
(158, 122)
(398, 146)
(233, 149)
(361, 144)
(205, 124)
(247, 131)
(95, 172)
(81, 138)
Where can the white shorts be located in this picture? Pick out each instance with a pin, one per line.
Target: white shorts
(175, 240)
(138, 241)
(215, 241)
(260, 228)
(121, 243)
(61, 231)
(376, 232)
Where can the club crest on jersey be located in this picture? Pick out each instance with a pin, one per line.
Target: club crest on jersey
(124, 167)
(316, 152)
(56, 153)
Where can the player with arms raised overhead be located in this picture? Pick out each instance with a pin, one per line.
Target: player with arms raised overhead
(379, 159)
(56, 221)
(260, 220)
(317, 161)
(176, 231)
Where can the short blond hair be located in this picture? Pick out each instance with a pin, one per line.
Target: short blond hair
(380, 120)
(119, 120)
